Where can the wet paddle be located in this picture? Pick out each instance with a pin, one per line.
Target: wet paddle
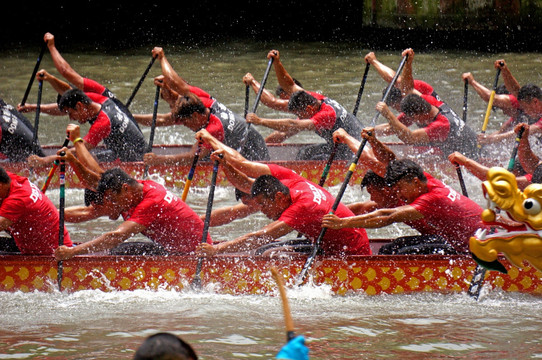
(285, 305)
(34, 72)
(479, 274)
(490, 104)
(53, 169)
(191, 173)
(37, 118)
(136, 89)
(465, 101)
(196, 282)
(61, 217)
(247, 99)
(316, 247)
(153, 125)
(361, 87)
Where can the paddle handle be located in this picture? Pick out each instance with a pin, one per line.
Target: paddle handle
(262, 86)
(136, 89)
(37, 117)
(191, 173)
(512, 161)
(153, 124)
(361, 87)
(491, 99)
(247, 99)
(34, 72)
(328, 165)
(289, 322)
(53, 168)
(465, 101)
(61, 216)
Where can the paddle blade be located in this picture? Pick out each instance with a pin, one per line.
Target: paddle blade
(494, 265)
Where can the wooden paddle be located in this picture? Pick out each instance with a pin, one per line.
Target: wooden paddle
(153, 125)
(136, 89)
(55, 165)
(490, 104)
(316, 247)
(479, 274)
(196, 282)
(285, 305)
(191, 173)
(61, 216)
(34, 72)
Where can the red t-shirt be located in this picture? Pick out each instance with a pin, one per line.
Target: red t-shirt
(91, 86)
(168, 220)
(316, 95)
(101, 128)
(423, 87)
(35, 220)
(310, 203)
(447, 213)
(325, 118)
(215, 128)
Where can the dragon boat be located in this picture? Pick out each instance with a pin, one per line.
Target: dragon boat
(242, 274)
(281, 154)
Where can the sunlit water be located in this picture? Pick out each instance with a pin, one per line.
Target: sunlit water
(96, 325)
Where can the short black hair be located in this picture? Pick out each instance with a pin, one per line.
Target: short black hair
(165, 346)
(187, 105)
(394, 97)
(501, 89)
(71, 97)
(537, 175)
(240, 194)
(268, 186)
(4, 177)
(413, 104)
(92, 197)
(403, 169)
(300, 100)
(113, 179)
(529, 92)
(373, 179)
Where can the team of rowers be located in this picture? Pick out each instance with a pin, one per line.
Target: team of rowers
(400, 190)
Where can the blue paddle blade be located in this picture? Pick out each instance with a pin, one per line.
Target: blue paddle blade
(493, 265)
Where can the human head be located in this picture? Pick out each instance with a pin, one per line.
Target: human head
(530, 99)
(378, 189)
(272, 195)
(111, 190)
(414, 105)
(406, 178)
(283, 94)
(303, 104)
(189, 110)
(394, 98)
(165, 346)
(75, 102)
(245, 198)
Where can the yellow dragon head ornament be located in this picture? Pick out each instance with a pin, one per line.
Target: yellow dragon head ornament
(517, 243)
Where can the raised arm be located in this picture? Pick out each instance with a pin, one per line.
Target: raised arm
(502, 101)
(509, 80)
(284, 79)
(267, 98)
(61, 64)
(407, 80)
(528, 159)
(385, 72)
(171, 78)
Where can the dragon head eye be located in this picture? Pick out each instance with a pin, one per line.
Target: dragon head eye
(531, 206)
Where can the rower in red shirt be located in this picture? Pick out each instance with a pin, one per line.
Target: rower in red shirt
(29, 216)
(291, 201)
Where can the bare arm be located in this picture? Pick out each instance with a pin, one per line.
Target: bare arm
(227, 214)
(267, 98)
(528, 159)
(171, 78)
(277, 137)
(184, 158)
(161, 119)
(475, 168)
(249, 241)
(367, 157)
(375, 219)
(385, 72)
(509, 80)
(62, 65)
(418, 136)
(283, 125)
(502, 101)
(77, 214)
(284, 79)
(107, 241)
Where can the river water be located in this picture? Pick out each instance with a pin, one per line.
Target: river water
(97, 325)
